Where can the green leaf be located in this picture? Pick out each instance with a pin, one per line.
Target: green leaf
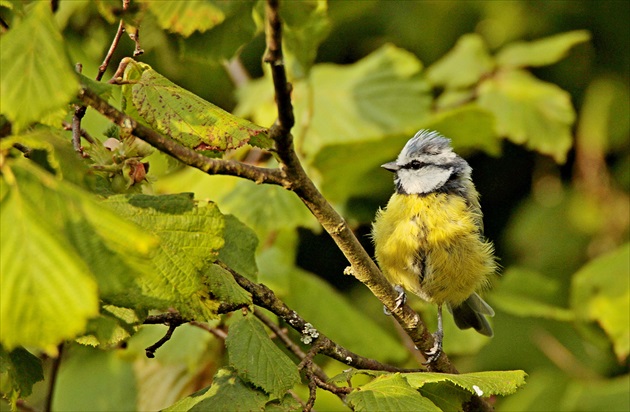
(600, 291)
(464, 65)
(185, 17)
(182, 115)
(239, 252)
(36, 78)
(479, 383)
(190, 237)
(541, 52)
(306, 25)
(23, 370)
(223, 287)
(224, 40)
(228, 393)
(389, 393)
(530, 111)
(257, 359)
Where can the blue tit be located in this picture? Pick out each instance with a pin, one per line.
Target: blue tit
(429, 238)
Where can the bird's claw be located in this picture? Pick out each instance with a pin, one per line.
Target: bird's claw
(400, 300)
(434, 353)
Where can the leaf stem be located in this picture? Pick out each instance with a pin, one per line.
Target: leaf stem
(54, 373)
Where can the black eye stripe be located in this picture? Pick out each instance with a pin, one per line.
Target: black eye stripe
(416, 164)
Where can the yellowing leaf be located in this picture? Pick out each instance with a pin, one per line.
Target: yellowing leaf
(541, 52)
(529, 111)
(36, 77)
(182, 115)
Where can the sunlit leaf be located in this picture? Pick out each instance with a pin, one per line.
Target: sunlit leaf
(190, 237)
(389, 393)
(380, 95)
(257, 359)
(479, 383)
(185, 17)
(36, 78)
(469, 127)
(531, 112)
(600, 291)
(182, 115)
(47, 292)
(541, 52)
(464, 65)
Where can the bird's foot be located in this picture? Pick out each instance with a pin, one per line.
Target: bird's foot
(434, 353)
(400, 299)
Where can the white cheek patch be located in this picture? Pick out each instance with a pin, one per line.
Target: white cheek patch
(424, 180)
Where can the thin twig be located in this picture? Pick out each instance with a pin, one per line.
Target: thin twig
(79, 112)
(108, 57)
(312, 391)
(84, 133)
(172, 319)
(54, 374)
(219, 333)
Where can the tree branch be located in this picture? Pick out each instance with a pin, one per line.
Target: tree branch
(363, 267)
(182, 153)
(264, 297)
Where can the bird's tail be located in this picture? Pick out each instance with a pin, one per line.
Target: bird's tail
(472, 314)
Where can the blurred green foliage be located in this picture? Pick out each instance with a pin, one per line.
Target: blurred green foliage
(544, 123)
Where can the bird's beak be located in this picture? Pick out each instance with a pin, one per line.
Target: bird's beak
(391, 166)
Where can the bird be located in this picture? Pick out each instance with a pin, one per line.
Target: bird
(429, 239)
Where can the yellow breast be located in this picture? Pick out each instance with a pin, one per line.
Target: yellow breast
(432, 246)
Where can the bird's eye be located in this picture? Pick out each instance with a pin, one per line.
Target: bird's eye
(415, 164)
